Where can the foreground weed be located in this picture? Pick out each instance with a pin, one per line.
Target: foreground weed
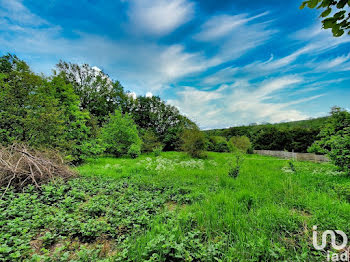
(235, 166)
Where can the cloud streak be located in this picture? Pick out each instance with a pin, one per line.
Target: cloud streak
(159, 17)
(219, 108)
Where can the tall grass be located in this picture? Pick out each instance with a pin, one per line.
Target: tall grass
(265, 214)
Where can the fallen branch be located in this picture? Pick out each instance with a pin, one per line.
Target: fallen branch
(20, 166)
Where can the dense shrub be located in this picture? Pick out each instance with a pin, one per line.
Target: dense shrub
(271, 138)
(218, 144)
(67, 110)
(120, 135)
(335, 139)
(241, 143)
(164, 120)
(157, 151)
(134, 150)
(42, 112)
(91, 148)
(193, 143)
(343, 190)
(26, 112)
(150, 141)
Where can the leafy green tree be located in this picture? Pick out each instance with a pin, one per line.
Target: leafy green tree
(335, 14)
(152, 113)
(134, 150)
(150, 141)
(77, 135)
(193, 142)
(97, 92)
(165, 121)
(29, 109)
(301, 138)
(120, 135)
(272, 138)
(17, 84)
(43, 112)
(218, 144)
(296, 135)
(241, 143)
(44, 123)
(172, 138)
(334, 139)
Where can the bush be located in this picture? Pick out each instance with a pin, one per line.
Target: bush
(20, 166)
(193, 142)
(343, 190)
(150, 141)
(241, 143)
(250, 150)
(157, 151)
(235, 166)
(120, 134)
(40, 111)
(91, 148)
(134, 150)
(340, 151)
(218, 144)
(335, 139)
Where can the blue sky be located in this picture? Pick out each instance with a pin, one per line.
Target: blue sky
(222, 63)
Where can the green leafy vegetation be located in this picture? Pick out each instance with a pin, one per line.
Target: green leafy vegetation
(335, 139)
(175, 208)
(120, 135)
(81, 112)
(241, 143)
(150, 141)
(217, 144)
(335, 14)
(297, 136)
(235, 166)
(193, 143)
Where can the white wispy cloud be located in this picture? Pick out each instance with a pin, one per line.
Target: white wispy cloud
(304, 60)
(159, 17)
(223, 25)
(200, 106)
(15, 11)
(242, 103)
(160, 64)
(235, 35)
(339, 63)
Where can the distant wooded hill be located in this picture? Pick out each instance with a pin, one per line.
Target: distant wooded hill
(295, 135)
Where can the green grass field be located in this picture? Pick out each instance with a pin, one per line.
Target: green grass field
(174, 208)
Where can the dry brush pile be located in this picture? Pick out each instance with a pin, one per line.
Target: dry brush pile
(21, 165)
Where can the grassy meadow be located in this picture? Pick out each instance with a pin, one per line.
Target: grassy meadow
(175, 208)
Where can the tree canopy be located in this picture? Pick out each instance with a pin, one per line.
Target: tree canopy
(80, 111)
(334, 139)
(97, 92)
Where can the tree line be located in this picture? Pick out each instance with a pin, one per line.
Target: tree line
(327, 135)
(80, 111)
(297, 136)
